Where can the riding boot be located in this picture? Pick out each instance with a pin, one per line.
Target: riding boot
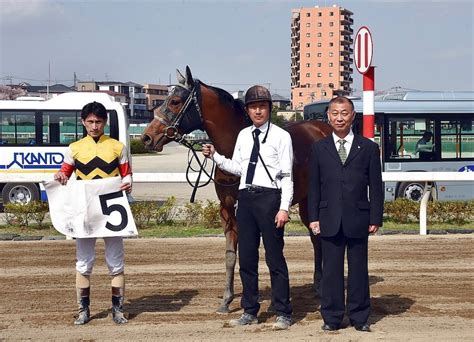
(117, 305)
(83, 300)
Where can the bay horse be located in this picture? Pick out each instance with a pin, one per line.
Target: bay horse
(192, 105)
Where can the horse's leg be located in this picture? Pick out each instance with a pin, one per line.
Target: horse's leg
(230, 231)
(318, 260)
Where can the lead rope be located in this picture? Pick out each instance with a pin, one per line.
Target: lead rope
(202, 169)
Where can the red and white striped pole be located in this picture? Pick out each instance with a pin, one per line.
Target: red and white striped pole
(368, 103)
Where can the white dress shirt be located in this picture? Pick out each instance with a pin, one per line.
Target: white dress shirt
(277, 153)
(347, 145)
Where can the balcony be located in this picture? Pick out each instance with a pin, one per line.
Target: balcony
(347, 20)
(346, 30)
(346, 60)
(346, 40)
(139, 96)
(139, 107)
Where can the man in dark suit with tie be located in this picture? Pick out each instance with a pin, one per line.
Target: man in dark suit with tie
(263, 158)
(345, 204)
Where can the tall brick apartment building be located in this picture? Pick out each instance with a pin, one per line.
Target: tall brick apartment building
(321, 53)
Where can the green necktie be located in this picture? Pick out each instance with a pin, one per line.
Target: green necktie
(342, 150)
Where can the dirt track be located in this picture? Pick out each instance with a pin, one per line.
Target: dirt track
(421, 288)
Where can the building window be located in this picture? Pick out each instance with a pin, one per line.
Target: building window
(308, 65)
(323, 93)
(319, 74)
(308, 54)
(308, 14)
(308, 44)
(319, 34)
(308, 74)
(331, 24)
(319, 85)
(331, 34)
(319, 64)
(331, 64)
(331, 54)
(308, 35)
(319, 14)
(331, 44)
(319, 44)
(331, 14)
(320, 24)
(308, 24)
(319, 54)
(331, 74)
(300, 93)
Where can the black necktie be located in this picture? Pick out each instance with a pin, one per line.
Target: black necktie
(253, 158)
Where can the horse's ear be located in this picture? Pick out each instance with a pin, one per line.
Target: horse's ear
(189, 78)
(181, 79)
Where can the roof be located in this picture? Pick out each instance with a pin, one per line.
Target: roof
(133, 84)
(55, 88)
(426, 96)
(108, 92)
(276, 97)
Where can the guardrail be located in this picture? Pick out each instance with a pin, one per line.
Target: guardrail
(142, 177)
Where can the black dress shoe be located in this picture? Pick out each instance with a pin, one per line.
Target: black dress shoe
(362, 327)
(329, 327)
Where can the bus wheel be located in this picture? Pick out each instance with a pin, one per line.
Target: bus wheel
(412, 191)
(20, 193)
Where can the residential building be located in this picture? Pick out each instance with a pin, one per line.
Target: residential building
(134, 93)
(155, 95)
(321, 53)
(280, 102)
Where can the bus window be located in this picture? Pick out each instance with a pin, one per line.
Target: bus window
(457, 139)
(410, 139)
(61, 128)
(17, 128)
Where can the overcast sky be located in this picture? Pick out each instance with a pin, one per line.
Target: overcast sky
(426, 45)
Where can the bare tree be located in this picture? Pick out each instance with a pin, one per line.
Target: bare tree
(10, 93)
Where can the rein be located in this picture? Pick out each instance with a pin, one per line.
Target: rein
(195, 121)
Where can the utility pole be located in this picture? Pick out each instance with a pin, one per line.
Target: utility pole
(49, 79)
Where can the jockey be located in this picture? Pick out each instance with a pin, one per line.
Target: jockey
(94, 157)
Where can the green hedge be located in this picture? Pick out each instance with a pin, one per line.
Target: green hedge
(137, 147)
(406, 211)
(207, 214)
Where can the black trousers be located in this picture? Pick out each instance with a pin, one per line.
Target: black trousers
(332, 295)
(256, 216)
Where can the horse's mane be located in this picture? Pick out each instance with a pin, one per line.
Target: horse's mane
(225, 97)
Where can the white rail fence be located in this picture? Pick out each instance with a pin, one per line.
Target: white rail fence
(141, 177)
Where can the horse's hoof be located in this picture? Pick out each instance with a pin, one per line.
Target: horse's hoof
(223, 309)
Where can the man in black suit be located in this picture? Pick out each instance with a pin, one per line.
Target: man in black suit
(345, 204)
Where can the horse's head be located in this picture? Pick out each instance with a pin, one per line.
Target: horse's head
(179, 114)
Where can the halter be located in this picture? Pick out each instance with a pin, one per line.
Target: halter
(188, 121)
(191, 122)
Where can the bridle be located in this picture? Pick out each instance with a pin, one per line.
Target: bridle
(194, 120)
(189, 118)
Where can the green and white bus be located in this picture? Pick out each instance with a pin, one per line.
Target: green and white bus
(401, 120)
(34, 134)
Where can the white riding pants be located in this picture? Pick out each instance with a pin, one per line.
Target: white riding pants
(114, 255)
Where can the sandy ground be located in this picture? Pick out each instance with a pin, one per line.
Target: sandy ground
(421, 288)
